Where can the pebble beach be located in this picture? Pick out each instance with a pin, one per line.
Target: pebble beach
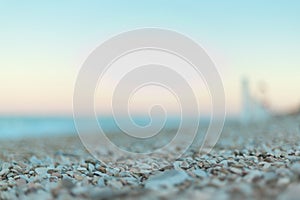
(255, 161)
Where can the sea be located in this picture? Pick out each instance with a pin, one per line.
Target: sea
(35, 126)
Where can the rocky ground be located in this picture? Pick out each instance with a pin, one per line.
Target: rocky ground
(257, 161)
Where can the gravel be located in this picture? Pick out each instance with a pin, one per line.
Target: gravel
(255, 161)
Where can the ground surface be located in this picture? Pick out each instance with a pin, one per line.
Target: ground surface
(257, 161)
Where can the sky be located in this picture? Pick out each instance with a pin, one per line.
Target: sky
(43, 44)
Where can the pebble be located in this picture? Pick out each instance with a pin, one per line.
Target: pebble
(166, 179)
(67, 183)
(224, 163)
(101, 182)
(53, 179)
(41, 171)
(21, 182)
(82, 169)
(112, 171)
(131, 181)
(200, 173)
(34, 161)
(270, 177)
(252, 175)
(236, 170)
(114, 183)
(101, 169)
(296, 168)
(283, 181)
(284, 172)
(291, 193)
(78, 177)
(19, 169)
(4, 172)
(106, 193)
(56, 174)
(91, 167)
(184, 165)
(216, 183)
(80, 191)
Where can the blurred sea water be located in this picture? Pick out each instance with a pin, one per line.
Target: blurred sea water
(16, 127)
(19, 127)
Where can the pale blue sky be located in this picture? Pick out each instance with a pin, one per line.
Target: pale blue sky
(42, 45)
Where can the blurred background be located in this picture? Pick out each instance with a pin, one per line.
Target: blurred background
(255, 46)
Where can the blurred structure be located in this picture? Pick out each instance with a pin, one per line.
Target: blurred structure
(295, 111)
(253, 110)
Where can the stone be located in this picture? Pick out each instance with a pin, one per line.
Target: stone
(67, 183)
(101, 182)
(21, 182)
(200, 173)
(91, 167)
(236, 170)
(115, 184)
(283, 181)
(81, 169)
(34, 161)
(4, 172)
(253, 175)
(166, 179)
(296, 168)
(270, 177)
(291, 193)
(53, 179)
(42, 171)
(80, 191)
